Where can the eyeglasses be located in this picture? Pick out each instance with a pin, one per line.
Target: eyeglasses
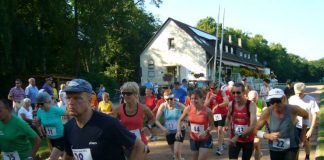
(213, 88)
(127, 93)
(275, 100)
(167, 99)
(238, 92)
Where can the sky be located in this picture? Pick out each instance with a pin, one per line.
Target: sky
(296, 24)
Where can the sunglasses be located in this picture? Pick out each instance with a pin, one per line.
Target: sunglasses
(238, 92)
(213, 88)
(169, 99)
(127, 93)
(40, 104)
(275, 100)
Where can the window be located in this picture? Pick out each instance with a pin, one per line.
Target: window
(171, 44)
(249, 56)
(232, 51)
(241, 54)
(226, 48)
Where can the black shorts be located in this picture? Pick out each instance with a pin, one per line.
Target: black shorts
(220, 123)
(195, 145)
(289, 154)
(247, 149)
(58, 143)
(171, 137)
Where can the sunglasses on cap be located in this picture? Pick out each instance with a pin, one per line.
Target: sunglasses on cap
(237, 92)
(127, 93)
(167, 99)
(275, 100)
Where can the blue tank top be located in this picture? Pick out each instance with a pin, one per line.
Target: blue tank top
(288, 132)
(171, 117)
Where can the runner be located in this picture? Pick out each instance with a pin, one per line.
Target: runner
(217, 101)
(309, 104)
(171, 112)
(17, 139)
(281, 118)
(131, 113)
(201, 123)
(49, 116)
(241, 117)
(150, 102)
(261, 105)
(94, 135)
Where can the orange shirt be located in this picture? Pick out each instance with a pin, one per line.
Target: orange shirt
(94, 102)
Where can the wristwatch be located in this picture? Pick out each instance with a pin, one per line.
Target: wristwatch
(149, 126)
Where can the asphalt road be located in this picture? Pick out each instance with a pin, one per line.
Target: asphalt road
(161, 151)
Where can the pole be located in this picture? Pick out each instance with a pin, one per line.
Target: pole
(221, 52)
(216, 46)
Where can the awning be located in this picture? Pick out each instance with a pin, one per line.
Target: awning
(229, 63)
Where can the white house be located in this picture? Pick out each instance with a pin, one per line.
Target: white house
(186, 52)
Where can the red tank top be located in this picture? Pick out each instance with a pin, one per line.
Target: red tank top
(150, 101)
(218, 99)
(134, 123)
(198, 123)
(240, 121)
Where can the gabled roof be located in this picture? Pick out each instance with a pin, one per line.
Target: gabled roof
(207, 42)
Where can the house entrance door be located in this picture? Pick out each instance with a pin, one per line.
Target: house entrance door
(174, 70)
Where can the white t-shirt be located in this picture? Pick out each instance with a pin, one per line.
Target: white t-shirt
(308, 103)
(28, 113)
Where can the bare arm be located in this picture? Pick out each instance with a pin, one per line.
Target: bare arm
(225, 100)
(35, 146)
(138, 150)
(148, 113)
(262, 120)
(251, 127)
(210, 120)
(158, 116)
(67, 157)
(182, 118)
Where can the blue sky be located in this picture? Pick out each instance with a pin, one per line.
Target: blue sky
(296, 24)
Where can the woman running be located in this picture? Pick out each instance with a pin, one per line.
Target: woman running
(131, 113)
(171, 112)
(49, 116)
(17, 138)
(201, 123)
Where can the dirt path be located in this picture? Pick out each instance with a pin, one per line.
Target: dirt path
(161, 151)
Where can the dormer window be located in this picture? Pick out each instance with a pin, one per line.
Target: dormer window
(171, 44)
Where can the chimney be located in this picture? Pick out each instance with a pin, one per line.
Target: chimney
(239, 42)
(230, 39)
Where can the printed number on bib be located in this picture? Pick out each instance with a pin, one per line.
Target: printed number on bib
(82, 154)
(10, 155)
(217, 117)
(171, 124)
(197, 128)
(239, 129)
(137, 133)
(51, 131)
(281, 143)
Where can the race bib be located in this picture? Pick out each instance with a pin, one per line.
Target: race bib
(281, 143)
(217, 117)
(51, 131)
(10, 155)
(171, 124)
(82, 154)
(137, 133)
(239, 129)
(197, 128)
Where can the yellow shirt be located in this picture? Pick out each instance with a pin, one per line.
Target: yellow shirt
(105, 107)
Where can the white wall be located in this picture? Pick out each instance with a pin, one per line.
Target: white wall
(187, 54)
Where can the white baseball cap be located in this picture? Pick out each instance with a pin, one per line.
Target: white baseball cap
(275, 93)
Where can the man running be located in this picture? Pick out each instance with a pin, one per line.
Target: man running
(241, 117)
(309, 104)
(93, 135)
(281, 119)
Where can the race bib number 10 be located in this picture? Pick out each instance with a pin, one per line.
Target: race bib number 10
(82, 154)
(197, 128)
(11, 155)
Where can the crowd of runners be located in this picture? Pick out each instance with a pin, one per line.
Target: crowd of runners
(80, 124)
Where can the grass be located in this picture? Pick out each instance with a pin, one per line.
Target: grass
(321, 132)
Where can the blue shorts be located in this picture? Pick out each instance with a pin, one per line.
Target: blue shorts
(195, 145)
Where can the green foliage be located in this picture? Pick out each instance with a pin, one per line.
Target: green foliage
(283, 65)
